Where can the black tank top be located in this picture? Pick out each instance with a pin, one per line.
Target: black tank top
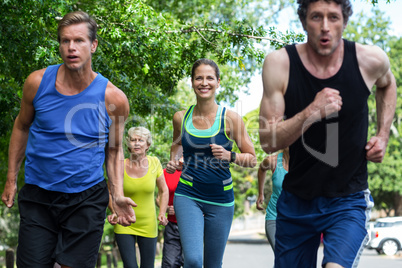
(329, 159)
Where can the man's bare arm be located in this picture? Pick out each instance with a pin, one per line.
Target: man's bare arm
(379, 69)
(118, 109)
(19, 136)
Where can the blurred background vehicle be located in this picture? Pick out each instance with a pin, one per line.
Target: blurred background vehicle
(385, 235)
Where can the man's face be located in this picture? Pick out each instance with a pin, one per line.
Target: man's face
(75, 46)
(324, 26)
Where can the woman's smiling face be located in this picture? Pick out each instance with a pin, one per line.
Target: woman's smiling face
(205, 81)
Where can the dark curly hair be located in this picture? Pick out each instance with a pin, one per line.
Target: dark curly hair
(303, 5)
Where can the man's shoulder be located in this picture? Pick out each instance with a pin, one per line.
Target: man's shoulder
(36, 76)
(277, 55)
(115, 96)
(368, 49)
(277, 61)
(372, 58)
(112, 89)
(33, 82)
(275, 72)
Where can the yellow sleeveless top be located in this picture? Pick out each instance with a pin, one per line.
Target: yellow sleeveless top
(142, 191)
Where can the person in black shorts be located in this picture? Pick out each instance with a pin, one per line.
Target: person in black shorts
(320, 89)
(71, 120)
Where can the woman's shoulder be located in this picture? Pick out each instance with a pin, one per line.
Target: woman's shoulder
(178, 116)
(229, 112)
(269, 162)
(153, 160)
(231, 116)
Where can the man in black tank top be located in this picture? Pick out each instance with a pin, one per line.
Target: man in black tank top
(315, 101)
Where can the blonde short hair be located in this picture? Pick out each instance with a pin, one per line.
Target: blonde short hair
(77, 17)
(142, 132)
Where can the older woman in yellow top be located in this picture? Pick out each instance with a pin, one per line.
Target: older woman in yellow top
(142, 173)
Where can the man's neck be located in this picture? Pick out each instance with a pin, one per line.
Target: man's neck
(72, 82)
(321, 66)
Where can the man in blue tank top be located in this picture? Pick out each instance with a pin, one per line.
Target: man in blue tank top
(315, 101)
(71, 121)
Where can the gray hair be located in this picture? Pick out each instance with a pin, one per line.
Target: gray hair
(142, 132)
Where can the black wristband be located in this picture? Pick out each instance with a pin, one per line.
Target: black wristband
(232, 156)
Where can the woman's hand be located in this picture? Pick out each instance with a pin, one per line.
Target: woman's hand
(163, 220)
(172, 166)
(170, 210)
(112, 219)
(260, 202)
(219, 152)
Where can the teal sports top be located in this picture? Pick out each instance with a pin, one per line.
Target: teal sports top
(277, 180)
(205, 178)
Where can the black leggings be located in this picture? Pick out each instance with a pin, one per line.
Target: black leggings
(146, 245)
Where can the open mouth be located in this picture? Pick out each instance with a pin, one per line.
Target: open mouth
(324, 41)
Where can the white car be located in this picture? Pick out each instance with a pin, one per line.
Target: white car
(386, 235)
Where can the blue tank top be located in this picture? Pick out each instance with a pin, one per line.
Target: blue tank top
(277, 180)
(205, 178)
(66, 143)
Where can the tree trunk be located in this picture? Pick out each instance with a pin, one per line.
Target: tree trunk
(398, 204)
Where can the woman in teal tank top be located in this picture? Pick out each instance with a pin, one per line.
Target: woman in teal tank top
(279, 165)
(204, 199)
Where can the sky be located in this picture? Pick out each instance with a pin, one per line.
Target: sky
(247, 103)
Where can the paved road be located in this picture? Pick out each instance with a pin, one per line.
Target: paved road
(252, 255)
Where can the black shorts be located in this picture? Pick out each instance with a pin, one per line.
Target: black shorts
(60, 227)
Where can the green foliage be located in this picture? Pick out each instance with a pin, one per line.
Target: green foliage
(374, 2)
(9, 222)
(369, 30)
